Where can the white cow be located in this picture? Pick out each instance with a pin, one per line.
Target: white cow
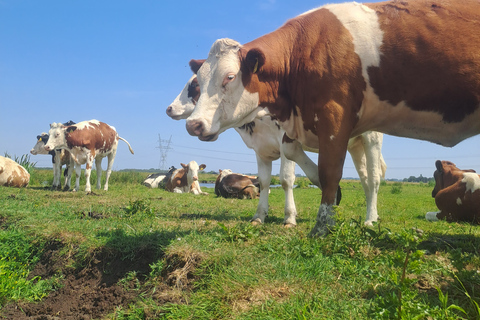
(59, 158)
(266, 138)
(87, 141)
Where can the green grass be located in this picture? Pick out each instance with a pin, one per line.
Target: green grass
(218, 266)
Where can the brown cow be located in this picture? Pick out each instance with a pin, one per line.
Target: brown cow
(12, 174)
(456, 193)
(405, 68)
(234, 185)
(185, 180)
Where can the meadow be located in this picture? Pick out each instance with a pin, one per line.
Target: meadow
(139, 253)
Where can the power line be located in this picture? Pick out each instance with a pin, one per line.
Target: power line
(164, 146)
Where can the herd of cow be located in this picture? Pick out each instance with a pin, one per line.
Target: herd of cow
(328, 81)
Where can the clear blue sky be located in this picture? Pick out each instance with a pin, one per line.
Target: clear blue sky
(122, 62)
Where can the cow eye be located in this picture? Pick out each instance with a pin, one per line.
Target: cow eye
(229, 78)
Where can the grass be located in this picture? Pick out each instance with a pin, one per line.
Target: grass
(218, 266)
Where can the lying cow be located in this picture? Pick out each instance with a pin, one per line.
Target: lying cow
(405, 68)
(456, 193)
(59, 158)
(266, 138)
(234, 185)
(87, 141)
(12, 174)
(185, 180)
(158, 180)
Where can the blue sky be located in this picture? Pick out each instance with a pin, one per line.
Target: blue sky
(123, 62)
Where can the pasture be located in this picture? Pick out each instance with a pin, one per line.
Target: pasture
(139, 253)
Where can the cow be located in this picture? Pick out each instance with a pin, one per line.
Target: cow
(185, 179)
(87, 141)
(456, 193)
(12, 174)
(405, 68)
(265, 137)
(59, 158)
(157, 180)
(234, 185)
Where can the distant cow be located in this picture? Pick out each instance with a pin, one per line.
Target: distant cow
(456, 193)
(12, 174)
(234, 185)
(59, 158)
(87, 141)
(185, 180)
(157, 180)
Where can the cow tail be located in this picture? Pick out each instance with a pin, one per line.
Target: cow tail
(129, 147)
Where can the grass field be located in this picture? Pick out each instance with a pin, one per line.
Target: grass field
(139, 253)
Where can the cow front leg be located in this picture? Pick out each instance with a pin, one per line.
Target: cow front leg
(98, 166)
(88, 171)
(264, 177)
(57, 171)
(78, 172)
(287, 179)
(68, 174)
(293, 150)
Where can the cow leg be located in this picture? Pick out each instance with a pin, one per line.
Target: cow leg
(292, 149)
(333, 139)
(57, 171)
(432, 216)
(287, 179)
(68, 176)
(366, 155)
(78, 172)
(264, 177)
(98, 166)
(88, 171)
(111, 158)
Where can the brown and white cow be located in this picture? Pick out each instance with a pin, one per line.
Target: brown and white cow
(234, 185)
(185, 179)
(266, 138)
(12, 174)
(405, 68)
(456, 193)
(87, 141)
(59, 158)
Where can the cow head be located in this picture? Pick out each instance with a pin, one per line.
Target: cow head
(39, 147)
(183, 105)
(57, 134)
(191, 171)
(446, 174)
(224, 101)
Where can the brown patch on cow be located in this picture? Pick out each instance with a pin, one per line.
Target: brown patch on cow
(425, 61)
(99, 137)
(308, 62)
(193, 91)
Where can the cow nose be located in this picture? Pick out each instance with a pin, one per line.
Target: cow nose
(169, 110)
(48, 148)
(195, 127)
(195, 178)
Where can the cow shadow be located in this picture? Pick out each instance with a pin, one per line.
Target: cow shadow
(226, 216)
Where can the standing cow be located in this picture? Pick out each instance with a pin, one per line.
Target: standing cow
(266, 138)
(185, 179)
(456, 193)
(59, 158)
(234, 185)
(12, 174)
(405, 68)
(87, 141)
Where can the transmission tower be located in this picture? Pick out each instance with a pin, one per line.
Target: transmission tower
(164, 146)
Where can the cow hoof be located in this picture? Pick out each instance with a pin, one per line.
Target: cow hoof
(289, 225)
(369, 223)
(256, 222)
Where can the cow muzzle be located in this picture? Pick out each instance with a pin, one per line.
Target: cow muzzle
(197, 128)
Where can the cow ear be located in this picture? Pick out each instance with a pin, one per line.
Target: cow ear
(254, 60)
(184, 165)
(71, 129)
(202, 166)
(439, 165)
(196, 64)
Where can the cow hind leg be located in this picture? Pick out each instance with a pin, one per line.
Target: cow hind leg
(111, 158)
(78, 172)
(287, 179)
(264, 177)
(98, 166)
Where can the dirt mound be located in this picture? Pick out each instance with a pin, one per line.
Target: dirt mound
(86, 293)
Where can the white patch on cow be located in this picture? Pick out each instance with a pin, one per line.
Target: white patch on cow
(295, 129)
(332, 137)
(183, 106)
(315, 118)
(472, 181)
(224, 173)
(87, 124)
(459, 201)
(432, 216)
(362, 23)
